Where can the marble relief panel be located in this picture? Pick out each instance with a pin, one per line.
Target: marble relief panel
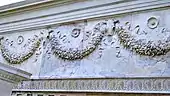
(131, 45)
(23, 49)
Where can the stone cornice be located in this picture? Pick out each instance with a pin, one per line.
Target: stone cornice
(12, 74)
(29, 5)
(79, 10)
(115, 85)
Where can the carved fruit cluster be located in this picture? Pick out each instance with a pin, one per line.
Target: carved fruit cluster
(76, 53)
(14, 57)
(142, 47)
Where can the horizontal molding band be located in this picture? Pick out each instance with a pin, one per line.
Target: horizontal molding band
(9, 77)
(12, 74)
(114, 85)
(87, 13)
(91, 91)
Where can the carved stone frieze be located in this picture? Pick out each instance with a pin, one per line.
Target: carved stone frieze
(144, 52)
(135, 85)
(58, 41)
(127, 39)
(144, 46)
(64, 52)
(16, 54)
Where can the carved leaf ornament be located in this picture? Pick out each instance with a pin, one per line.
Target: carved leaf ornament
(13, 56)
(77, 53)
(125, 36)
(143, 47)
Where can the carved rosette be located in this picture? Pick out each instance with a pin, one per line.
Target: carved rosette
(77, 53)
(143, 47)
(26, 51)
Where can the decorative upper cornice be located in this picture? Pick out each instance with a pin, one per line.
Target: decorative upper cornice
(24, 4)
(54, 12)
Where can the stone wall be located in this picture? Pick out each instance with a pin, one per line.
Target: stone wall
(128, 45)
(89, 45)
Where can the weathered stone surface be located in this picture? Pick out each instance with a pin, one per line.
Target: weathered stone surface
(118, 45)
(137, 53)
(135, 44)
(134, 85)
(127, 45)
(91, 48)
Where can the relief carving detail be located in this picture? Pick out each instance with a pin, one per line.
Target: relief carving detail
(92, 40)
(11, 53)
(64, 52)
(143, 46)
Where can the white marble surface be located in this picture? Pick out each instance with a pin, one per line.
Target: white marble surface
(109, 59)
(5, 88)
(10, 76)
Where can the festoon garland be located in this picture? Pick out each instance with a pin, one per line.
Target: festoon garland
(147, 48)
(16, 57)
(76, 53)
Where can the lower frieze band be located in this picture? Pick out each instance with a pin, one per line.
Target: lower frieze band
(108, 85)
